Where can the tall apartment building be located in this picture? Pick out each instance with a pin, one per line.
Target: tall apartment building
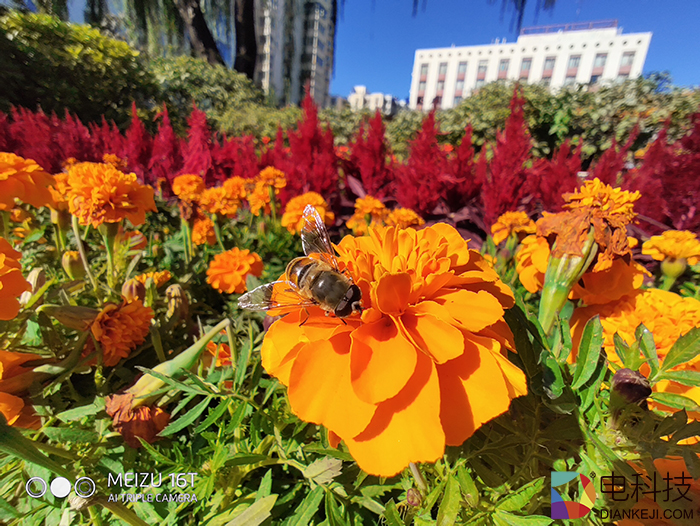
(556, 55)
(295, 47)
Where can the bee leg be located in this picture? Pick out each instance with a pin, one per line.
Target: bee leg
(344, 322)
(307, 317)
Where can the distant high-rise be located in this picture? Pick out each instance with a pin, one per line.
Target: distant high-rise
(296, 46)
(556, 56)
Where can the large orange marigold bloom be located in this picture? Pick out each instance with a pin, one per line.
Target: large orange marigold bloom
(531, 262)
(59, 192)
(424, 365)
(99, 193)
(23, 179)
(12, 283)
(188, 187)
(228, 271)
(120, 329)
(509, 223)
(666, 314)
(293, 218)
(673, 244)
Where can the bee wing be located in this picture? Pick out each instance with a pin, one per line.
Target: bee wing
(275, 295)
(315, 238)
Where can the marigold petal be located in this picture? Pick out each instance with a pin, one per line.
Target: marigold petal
(320, 390)
(11, 407)
(392, 293)
(474, 310)
(283, 341)
(404, 429)
(432, 329)
(382, 360)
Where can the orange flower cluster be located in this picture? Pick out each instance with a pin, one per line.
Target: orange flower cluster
(226, 199)
(403, 218)
(422, 368)
(673, 245)
(141, 422)
(371, 212)
(120, 329)
(224, 353)
(511, 223)
(188, 187)
(99, 193)
(293, 218)
(114, 160)
(203, 231)
(59, 192)
(23, 179)
(12, 283)
(269, 179)
(228, 271)
(159, 278)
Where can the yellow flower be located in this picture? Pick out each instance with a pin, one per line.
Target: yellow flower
(228, 271)
(369, 205)
(509, 223)
(23, 179)
(99, 193)
(404, 218)
(120, 329)
(423, 367)
(159, 278)
(369, 211)
(12, 283)
(203, 231)
(293, 218)
(188, 187)
(673, 244)
(224, 200)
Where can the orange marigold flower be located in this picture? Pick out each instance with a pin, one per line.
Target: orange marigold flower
(17, 413)
(509, 223)
(259, 197)
(271, 176)
(159, 278)
(203, 231)
(531, 262)
(59, 192)
(665, 314)
(224, 353)
(224, 200)
(404, 218)
(114, 160)
(142, 422)
(369, 211)
(12, 283)
(23, 179)
(228, 271)
(369, 205)
(673, 244)
(19, 215)
(120, 329)
(188, 187)
(99, 193)
(293, 218)
(422, 368)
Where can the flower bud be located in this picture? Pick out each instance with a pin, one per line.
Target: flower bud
(178, 305)
(78, 318)
(72, 264)
(133, 290)
(37, 279)
(673, 268)
(631, 386)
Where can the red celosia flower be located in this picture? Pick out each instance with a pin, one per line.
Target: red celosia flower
(137, 150)
(197, 153)
(166, 158)
(548, 179)
(236, 157)
(369, 159)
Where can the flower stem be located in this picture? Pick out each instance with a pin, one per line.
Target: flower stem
(187, 234)
(217, 232)
(81, 250)
(109, 234)
(418, 477)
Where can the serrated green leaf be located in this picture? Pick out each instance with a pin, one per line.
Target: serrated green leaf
(508, 519)
(213, 416)
(69, 434)
(255, 514)
(553, 379)
(522, 497)
(265, 487)
(308, 508)
(646, 344)
(622, 350)
(9, 509)
(468, 486)
(588, 352)
(689, 378)
(186, 419)
(672, 424)
(323, 470)
(675, 401)
(684, 350)
(391, 515)
(78, 413)
(175, 384)
(450, 504)
(333, 512)
(692, 463)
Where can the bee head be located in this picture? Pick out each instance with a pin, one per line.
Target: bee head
(351, 302)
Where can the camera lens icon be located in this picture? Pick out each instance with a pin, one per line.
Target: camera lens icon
(60, 487)
(85, 487)
(36, 487)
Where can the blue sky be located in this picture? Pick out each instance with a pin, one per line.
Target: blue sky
(376, 39)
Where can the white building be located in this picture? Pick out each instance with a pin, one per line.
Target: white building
(359, 99)
(295, 46)
(556, 56)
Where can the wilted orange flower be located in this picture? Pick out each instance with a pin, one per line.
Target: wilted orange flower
(120, 329)
(203, 231)
(188, 187)
(293, 218)
(224, 357)
(665, 314)
(509, 223)
(114, 160)
(404, 218)
(23, 179)
(673, 244)
(422, 368)
(99, 193)
(224, 200)
(12, 283)
(142, 422)
(159, 278)
(368, 211)
(228, 271)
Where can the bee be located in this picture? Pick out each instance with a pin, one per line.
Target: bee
(312, 280)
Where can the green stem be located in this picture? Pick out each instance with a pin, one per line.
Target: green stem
(83, 255)
(187, 234)
(418, 477)
(109, 235)
(217, 232)
(667, 282)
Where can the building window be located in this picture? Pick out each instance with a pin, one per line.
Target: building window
(627, 58)
(503, 66)
(457, 100)
(459, 86)
(443, 69)
(419, 102)
(421, 86)
(549, 63)
(462, 68)
(595, 79)
(319, 62)
(600, 59)
(574, 61)
(483, 64)
(437, 101)
(479, 83)
(440, 86)
(526, 65)
(569, 80)
(424, 70)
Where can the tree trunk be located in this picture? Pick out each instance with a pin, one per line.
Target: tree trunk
(201, 38)
(246, 43)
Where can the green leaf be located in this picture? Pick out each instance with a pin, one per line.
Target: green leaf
(522, 497)
(588, 352)
(175, 384)
(468, 486)
(186, 419)
(672, 424)
(308, 508)
(684, 350)
(553, 379)
(690, 378)
(622, 350)
(323, 470)
(78, 413)
(450, 504)
(265, 487)
(391, 515)
(648, 348)
(692, 463)
(243, 459)
(9, 509)
(333, 512)
(213, 416)
(69, 434)
(675, 401)
(508, 519)
(255, 514)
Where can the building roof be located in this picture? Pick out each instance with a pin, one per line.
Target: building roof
(575, 26)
